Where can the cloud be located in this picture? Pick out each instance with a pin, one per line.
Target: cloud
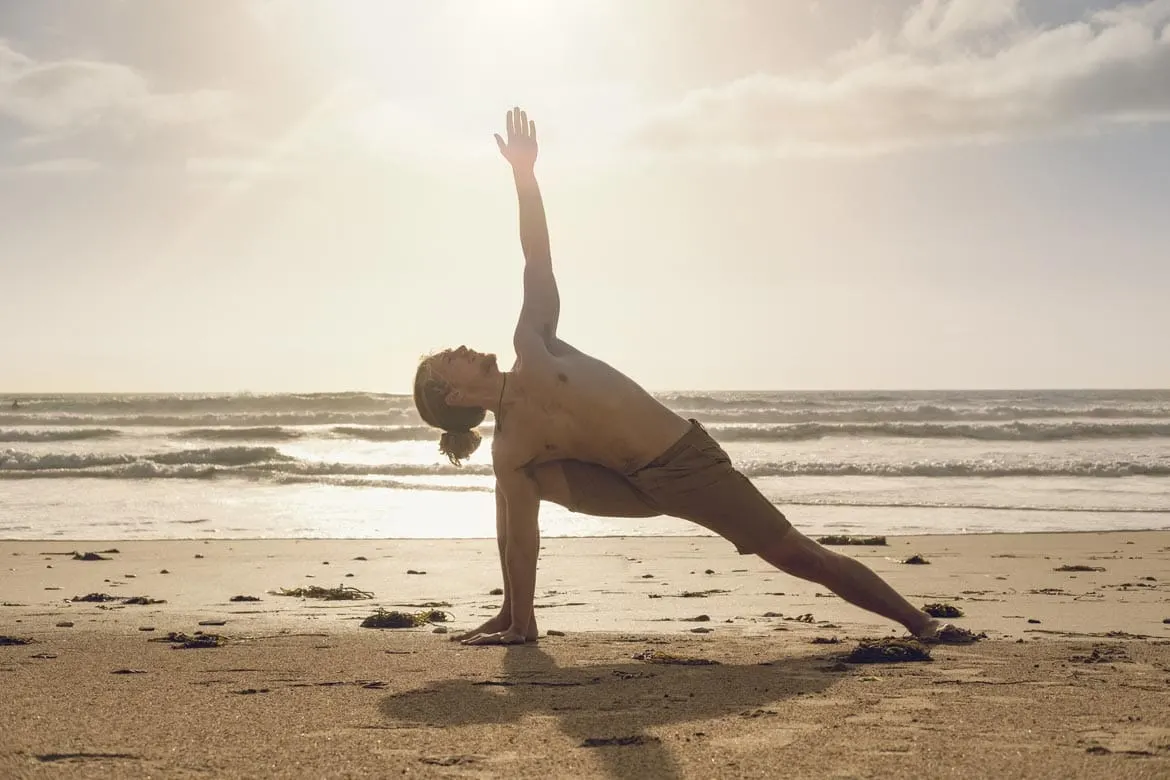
(955, 72)
(60, 165)
(63, 96)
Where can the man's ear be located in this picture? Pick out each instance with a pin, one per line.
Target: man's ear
(454, 398)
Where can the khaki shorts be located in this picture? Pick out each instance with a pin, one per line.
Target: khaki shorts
(693, 480)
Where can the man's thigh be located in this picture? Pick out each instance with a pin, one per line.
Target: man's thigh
(590, 489)
(697, 482)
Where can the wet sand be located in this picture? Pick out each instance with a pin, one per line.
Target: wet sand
(1073, 679)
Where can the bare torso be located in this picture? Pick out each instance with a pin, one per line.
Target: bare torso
(566, 405)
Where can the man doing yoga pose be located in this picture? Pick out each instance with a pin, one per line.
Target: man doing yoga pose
(573, 430)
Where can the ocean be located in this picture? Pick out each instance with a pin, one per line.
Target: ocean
(362, 465)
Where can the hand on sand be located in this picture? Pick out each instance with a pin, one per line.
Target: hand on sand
(520, 148)
(508, 637)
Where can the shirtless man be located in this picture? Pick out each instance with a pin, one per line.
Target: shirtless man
(573, 430)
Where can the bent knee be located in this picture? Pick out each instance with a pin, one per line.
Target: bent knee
(552, 483)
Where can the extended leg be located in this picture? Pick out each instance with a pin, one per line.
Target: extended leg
(850, 579)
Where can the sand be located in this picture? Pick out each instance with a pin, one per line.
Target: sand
(1073, 679)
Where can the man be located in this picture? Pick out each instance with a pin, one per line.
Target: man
(574, 430)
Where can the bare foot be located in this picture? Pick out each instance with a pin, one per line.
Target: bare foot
(497, 625)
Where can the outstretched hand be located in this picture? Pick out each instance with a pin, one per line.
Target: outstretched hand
(520, 147)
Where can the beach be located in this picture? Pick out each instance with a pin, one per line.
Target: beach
(1072, 679)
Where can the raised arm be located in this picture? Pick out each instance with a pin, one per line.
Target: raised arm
(542, 301)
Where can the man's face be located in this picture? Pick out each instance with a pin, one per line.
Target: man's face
(462, 366)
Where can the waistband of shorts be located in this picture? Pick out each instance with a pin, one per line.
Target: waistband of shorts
(697, 433)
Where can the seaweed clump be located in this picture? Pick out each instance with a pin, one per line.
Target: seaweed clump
(887, 650)
(14, 640)
(340, 593)
(181, 641)
(395, 619)
(842, 539)
(943, 611)
(916, 558)
(1078, 567)
(660, 657)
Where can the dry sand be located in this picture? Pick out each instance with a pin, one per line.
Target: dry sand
(1072, 681)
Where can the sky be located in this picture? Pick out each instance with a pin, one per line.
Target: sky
(301, 195)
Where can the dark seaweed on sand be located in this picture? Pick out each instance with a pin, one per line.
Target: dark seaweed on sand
(1078, 567)
(14, 640)
(182, 641)
(95, 597)
(340, 593)
(89, 556)
(689, 594)
(661, 657)
(838, 539)
(396, 619)
(104, 597)
(244, 598)
(943, 611)
(887, 650)
(916, 558)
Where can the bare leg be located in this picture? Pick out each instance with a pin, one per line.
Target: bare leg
(850, 579)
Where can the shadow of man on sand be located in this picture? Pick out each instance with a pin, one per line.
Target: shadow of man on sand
(610, 701)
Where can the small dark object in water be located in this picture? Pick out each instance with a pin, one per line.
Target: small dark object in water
(916, 558)
(143, 600)
(212, 622)
(1033, 620)
(825, 640)
(128, 671)
(805, 618)
(360, 558)
(554, 632)
(249, 691)
(634, 739)
(1078, 567)
(887, 650)
(95, 597)
(412, 571)
(709, 571)
(14, 640)
(697, 619)
(496, 592)
(867, 541)
(396, 619)
(943, 610)
(112, 551)
(182, 641)
(89, 556)
(244, 598)
(340, 593)
(64, 624)
(660, 657)
(163, 571)
(1166, 620)
(198, 555)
